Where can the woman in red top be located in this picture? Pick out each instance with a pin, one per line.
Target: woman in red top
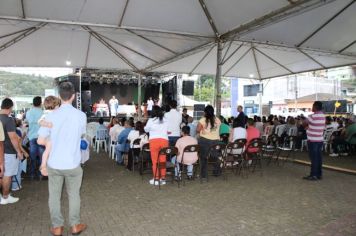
(252, 133)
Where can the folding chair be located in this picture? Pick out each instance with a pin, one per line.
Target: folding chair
(254, 153)
(280, 130)
(234, 156)
(287, 148)
(168, 152)
(145, 160)
(267, 132)
(182, 171)
(270, 148)
(224, 138)
(215, 158)
(135, 152)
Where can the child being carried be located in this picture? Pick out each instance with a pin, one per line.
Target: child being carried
(50, 103)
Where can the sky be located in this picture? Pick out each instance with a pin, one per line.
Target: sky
(43, 71)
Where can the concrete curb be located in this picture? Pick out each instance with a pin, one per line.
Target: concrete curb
(328, 167)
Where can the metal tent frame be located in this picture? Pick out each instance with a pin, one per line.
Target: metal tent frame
(225, 38)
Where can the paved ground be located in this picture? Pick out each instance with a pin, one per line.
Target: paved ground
(117, 202)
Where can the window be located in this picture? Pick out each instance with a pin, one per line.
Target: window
(251, 90)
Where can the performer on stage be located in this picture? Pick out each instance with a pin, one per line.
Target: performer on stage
(102, 109)
(114, 106)
(149, 106)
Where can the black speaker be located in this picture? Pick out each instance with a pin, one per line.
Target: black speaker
(199, 107)
(188, 88)
(198, 111)
(85, 85)
(74, 79)
(86, 101)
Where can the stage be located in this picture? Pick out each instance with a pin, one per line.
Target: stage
(98, 87)
(122, 111)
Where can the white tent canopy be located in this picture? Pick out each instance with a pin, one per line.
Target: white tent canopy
(260, 39)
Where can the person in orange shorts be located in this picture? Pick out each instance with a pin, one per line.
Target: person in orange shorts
(157, 127)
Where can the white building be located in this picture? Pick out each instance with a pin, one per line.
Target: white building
(343, 74)
(277, 89)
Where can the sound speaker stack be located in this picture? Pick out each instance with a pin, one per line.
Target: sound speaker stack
(198, 111)
(86, 102)
(188, 88)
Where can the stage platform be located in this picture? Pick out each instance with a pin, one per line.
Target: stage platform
(93, 118)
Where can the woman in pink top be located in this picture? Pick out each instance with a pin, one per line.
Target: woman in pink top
(252, 133)
(189, 158)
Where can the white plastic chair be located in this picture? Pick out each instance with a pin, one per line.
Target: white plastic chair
(112, 149)
(267, 132)
(100, 139)
(280, 129)
(91, 131)
(292, 131)
(327, 139)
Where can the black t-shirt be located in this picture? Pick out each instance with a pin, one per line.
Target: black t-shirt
(185, 119)
(9, 126)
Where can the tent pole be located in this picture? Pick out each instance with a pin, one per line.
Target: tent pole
(260, 93)
(260, 106)
(79, 95)
(218, 79)
(139, 97)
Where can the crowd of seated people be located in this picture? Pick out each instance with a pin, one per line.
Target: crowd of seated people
(343, 136)
(168, 127)
(339, 132)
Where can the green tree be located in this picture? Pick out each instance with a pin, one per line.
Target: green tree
(204, 88)
(19, 84)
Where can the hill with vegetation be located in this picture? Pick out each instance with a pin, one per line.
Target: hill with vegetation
(12, 84)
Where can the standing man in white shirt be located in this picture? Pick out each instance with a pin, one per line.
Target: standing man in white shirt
(149, 106)
(174, 119)
(114, 106)
(68, 125)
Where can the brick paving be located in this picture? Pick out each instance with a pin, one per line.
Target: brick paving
(117, 202)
